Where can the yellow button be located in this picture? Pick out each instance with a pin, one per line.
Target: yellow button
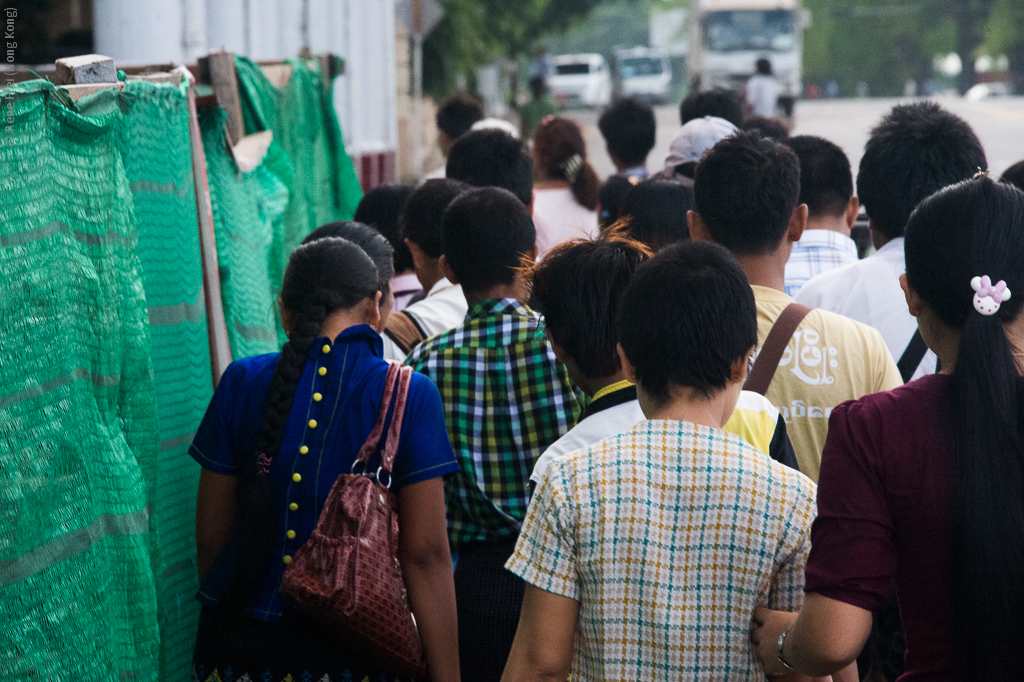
(287, 560)
(293, 506)
(317, 397)
(326, 348)
(312, 423)
(296, 477)
(290, 534)
(322, 371)
(303, 450)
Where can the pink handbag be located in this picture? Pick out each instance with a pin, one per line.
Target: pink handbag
(347, 575)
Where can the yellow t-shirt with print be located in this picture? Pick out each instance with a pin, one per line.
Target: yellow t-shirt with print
(829, 360)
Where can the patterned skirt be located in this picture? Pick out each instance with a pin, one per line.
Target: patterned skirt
(295, 649)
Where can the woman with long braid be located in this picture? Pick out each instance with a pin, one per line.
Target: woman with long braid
(279, 431)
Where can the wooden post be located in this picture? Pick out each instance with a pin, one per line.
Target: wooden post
(220, 351)
(219, 68)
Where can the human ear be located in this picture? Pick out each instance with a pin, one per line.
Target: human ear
(797, 224)
(287, 317)
(852, 209)
(698, 229)
(628, 370)
(446, 270)
(914, 303)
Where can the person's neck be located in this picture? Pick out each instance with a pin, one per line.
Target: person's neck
(878, 240)
(591, 385)
(430, 274)
(341, 320)
(688, 405)
(551, 184)
(767, 270)
(832, 224)
(498, 291)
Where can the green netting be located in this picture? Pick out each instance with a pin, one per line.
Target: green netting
(248, 209)
(318, 172)
(78, 422)
(158, 163)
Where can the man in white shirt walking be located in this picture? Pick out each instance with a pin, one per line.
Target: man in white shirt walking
(763, 90)
(444, 306)
(826, 186)
(914, 151)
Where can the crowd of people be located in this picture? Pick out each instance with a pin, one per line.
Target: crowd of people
(667, 426)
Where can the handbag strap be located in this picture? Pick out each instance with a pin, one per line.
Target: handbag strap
(912, 356)
(774, 346)
(373, 440)
(397, 376)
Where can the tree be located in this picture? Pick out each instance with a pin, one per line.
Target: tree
(474, 32)
(1004, 34)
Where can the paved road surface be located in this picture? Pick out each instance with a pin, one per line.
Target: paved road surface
(998, 122)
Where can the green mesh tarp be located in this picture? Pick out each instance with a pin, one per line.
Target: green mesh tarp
(318, 172)
(78, 420)
(248, 209)
(158, 163)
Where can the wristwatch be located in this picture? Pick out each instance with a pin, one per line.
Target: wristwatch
(778, 652)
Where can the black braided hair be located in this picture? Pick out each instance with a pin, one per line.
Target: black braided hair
(322, 276)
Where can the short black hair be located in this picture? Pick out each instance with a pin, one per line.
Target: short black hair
(458, 114)
(628, 127)
(767, 126)
(1014, 175)
(654, 212)
(686, 318)
(421, 218)
(745, 190)
(826, 181)
(578, 287)
(485, 234)
(492, 158)
(763, 66)
(380, 208)
(916, 150)
(718, 102)
(538, 87)
(613, 192)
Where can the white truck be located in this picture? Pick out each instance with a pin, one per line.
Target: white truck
(727, 37)
(581, 80)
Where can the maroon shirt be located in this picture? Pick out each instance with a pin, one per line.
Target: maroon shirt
(884, 498)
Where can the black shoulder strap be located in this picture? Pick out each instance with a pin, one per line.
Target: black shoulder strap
(912, 356)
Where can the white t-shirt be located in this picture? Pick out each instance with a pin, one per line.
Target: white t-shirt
(763, 95)
(869, 291)
(558, 218)
(444, 308)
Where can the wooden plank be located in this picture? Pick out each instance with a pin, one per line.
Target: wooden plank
(220, 351)
(89, 68)
(77, 92)
(174, 77)
(219, 67)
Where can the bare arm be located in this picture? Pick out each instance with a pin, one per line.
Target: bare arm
(215, 516)
(543, 647)
(427, 564)
(826, 638)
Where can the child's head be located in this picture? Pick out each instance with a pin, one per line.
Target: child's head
(380, 208)
(628, 127)
(654, 213)
(578, 287)
(420, 222)
(492, 158)
(560, 153)
(688, 323)
(486, 233)
(826, 181)
(372, 242)
(745, 191)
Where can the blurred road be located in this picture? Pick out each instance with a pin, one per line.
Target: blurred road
(999, 123)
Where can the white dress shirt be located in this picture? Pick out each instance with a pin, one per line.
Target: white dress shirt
(869, 291)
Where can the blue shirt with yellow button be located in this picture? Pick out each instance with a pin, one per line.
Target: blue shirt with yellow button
(334, 410)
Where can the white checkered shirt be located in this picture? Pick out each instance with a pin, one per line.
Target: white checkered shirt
(817, 251)
(668, 535)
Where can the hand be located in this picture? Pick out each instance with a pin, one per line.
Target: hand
(768, 626)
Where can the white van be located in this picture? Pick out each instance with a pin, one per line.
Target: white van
(644, 73)
(581, 80)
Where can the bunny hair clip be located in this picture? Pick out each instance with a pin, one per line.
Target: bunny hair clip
(988, 297)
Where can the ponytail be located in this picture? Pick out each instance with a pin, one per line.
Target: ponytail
(560, 152)
(322, 276)
(970, 229)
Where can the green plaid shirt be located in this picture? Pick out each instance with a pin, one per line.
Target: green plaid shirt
(506, 399)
